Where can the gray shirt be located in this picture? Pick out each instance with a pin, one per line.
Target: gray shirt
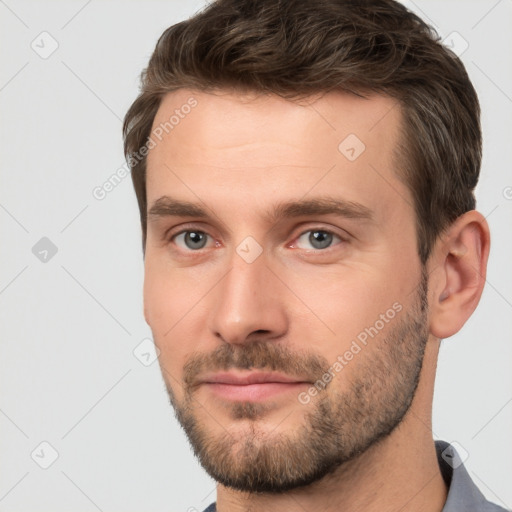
(463, 494)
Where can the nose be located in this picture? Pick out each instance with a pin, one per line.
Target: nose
(249, 303)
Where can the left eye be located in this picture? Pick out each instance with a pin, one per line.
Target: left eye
(191, 239)
(318, 238)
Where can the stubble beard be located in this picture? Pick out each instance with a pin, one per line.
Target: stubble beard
(338, 426)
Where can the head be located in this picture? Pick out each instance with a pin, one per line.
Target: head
(305, 174)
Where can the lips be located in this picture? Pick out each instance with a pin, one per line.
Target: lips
(244, 379)
(253, 387)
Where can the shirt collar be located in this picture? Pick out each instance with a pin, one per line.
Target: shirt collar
(463, 494)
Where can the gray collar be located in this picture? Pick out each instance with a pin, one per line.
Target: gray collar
(463, 494)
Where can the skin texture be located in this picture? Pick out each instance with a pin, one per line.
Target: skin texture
(365, 440)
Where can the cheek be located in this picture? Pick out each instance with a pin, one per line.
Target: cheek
(159, 299)
(341, 304)
(168, 291)
(167, 305)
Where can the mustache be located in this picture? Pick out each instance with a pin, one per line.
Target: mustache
(260, 355)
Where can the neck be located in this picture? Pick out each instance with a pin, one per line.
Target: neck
(399, 473)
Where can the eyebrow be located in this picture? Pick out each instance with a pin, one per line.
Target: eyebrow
(167, 206)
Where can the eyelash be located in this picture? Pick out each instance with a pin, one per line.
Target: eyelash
(314, 229)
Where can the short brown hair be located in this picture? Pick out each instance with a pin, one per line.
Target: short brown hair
(297, 48)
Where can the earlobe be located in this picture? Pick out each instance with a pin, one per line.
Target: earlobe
(461, 265)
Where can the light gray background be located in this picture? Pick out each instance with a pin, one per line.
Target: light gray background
(69, 376)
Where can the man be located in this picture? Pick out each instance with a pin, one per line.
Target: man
(305, 176)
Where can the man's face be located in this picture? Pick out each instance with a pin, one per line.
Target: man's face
(321, 296)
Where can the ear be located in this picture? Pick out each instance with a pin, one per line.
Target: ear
(459, 263)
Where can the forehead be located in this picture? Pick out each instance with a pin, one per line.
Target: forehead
(239, 118)
(264, 147)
